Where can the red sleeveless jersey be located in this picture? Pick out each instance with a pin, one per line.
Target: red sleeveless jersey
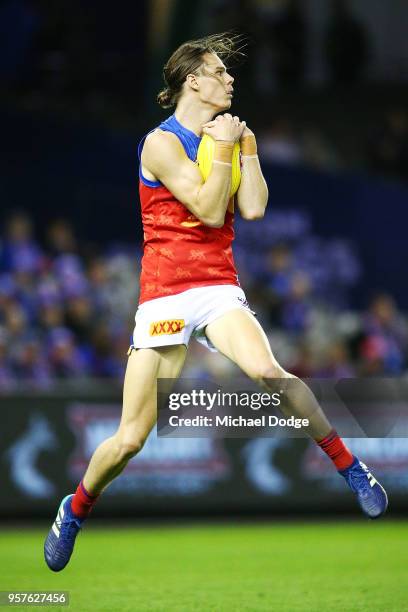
(180, 252)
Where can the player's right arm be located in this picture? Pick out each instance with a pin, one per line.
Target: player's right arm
(165, 159)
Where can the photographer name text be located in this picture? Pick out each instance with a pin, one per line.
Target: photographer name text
(238, 421)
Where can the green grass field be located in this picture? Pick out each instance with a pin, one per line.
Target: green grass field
(312, 567)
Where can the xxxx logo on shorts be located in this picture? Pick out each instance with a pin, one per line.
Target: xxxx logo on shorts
(162, 328)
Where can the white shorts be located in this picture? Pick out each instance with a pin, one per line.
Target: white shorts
(175, 318)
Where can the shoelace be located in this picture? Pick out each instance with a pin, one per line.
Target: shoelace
(70, 528)
(361, 478)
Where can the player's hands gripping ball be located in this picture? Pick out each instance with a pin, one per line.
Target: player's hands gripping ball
(226, 128)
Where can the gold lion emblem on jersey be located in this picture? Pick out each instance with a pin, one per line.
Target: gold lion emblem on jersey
(191, 221)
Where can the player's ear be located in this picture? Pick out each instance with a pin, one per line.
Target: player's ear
(191, 80)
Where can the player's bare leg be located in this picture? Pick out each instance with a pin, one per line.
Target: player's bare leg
(251, 351)
(139, 415)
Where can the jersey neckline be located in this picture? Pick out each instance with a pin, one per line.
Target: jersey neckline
(184, 128)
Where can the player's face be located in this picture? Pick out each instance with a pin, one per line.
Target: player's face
(215, 83)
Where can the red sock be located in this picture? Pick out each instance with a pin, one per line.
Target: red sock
(338, 452)
(82, 502)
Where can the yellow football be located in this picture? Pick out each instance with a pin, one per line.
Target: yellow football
(205, 156)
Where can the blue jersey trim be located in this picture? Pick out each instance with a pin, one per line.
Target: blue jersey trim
(188, 139)
(173, 119)
(144, 180)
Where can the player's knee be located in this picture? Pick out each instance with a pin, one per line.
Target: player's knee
(267, 370)
(129, 447)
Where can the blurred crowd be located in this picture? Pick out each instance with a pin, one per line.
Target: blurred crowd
(63, 313)
(299, 285)
(284, 142)
(66, 312)
(385, 151)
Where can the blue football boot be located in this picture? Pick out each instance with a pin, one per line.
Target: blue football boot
(60, 541)
(370, 494)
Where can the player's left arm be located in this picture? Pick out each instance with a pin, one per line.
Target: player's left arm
(252, 195)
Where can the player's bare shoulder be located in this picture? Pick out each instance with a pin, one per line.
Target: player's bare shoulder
(164, 158)
(161, 147)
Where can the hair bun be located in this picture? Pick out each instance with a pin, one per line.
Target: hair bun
(165, 98)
